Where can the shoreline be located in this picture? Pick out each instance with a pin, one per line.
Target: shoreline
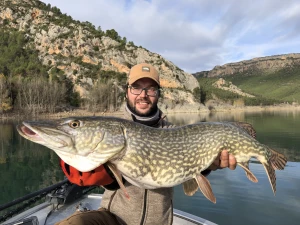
(179, 110)
(261, 108)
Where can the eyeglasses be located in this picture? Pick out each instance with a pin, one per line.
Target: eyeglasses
(151, 91)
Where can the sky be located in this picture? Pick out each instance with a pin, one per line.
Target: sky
(197, 35)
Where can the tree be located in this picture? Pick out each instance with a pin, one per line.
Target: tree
(15, 59)
(99, 29)
(5, 100)
(104, 97)
(38, 95)
(113, 35)
(197, 94)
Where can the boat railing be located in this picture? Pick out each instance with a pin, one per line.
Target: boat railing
(59, 193)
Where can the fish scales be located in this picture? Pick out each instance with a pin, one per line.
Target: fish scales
(193, 146)
(151, 157)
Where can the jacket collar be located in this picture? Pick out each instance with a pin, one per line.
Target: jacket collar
(148, 120)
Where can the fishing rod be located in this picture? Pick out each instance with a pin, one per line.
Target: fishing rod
(31, 195)
(64, 192)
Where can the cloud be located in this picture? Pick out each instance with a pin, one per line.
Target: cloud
(196, 35)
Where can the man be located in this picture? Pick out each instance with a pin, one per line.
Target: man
(145, 206)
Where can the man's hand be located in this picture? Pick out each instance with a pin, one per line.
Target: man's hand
(224, 160)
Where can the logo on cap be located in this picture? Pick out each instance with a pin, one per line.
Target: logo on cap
(146, 69)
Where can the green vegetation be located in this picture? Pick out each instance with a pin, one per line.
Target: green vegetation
(208, 92)
(27, 87)
(5, 100)
(105, 76)
(282, 85)
(15, 59)
(24, 82)
(21, 70)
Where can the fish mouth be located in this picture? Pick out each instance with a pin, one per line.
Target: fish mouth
(46, 136)
(27, 132)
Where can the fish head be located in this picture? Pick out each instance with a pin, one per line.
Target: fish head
(84, 142)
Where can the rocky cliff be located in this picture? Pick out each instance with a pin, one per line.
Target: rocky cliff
(264, 64)
(72, 46)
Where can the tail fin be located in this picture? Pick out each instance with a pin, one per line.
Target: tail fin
(277, 160)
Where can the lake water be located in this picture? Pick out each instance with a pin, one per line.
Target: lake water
(26, 167)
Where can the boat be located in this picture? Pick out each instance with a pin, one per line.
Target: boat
(63, 199)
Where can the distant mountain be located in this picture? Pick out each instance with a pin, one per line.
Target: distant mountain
(254, 66)
(274, 77)
(84, 53)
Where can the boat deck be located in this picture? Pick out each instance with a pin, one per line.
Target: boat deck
(46, 213)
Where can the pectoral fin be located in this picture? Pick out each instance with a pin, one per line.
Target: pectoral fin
(249, 174)
(190, 187)
(118, 177)
(205, 187)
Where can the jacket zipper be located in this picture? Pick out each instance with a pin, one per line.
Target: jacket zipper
(144, 208)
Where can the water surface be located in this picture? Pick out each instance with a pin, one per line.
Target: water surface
(239, 201)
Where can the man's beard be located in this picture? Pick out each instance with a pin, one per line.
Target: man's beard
(132, 108)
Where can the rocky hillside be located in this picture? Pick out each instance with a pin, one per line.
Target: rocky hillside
(228, 86)
(263, 81)
(268, 64)
(73, 47)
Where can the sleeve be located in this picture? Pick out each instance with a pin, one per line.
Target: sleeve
(205, 172)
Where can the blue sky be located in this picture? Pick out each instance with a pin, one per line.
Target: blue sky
(197, 35)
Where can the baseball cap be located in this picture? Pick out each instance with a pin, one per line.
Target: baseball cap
(143, 70)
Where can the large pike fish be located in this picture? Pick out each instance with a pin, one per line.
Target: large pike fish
(153, 157)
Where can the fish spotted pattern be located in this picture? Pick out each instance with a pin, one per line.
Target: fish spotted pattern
(151, 157)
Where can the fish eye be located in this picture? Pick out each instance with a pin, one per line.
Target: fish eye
(74, 123)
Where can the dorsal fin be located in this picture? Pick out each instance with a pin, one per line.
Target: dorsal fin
(246, 127)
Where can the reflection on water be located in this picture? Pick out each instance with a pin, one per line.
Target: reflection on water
(27, 167)
(277, 129)
(185, 118)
